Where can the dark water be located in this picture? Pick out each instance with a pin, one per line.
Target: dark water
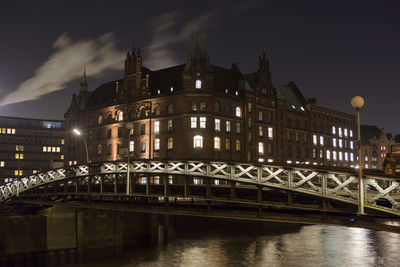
(282, 245)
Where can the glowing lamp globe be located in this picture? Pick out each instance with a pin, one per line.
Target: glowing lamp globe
(357, 102)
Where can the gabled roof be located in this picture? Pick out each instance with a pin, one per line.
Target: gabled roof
(369, 132)
(293, 102)
(104, 95)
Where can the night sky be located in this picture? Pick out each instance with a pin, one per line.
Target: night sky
(333, 50)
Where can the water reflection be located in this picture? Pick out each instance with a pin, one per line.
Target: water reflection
(314, 245)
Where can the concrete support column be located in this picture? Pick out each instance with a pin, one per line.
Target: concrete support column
(233, 191)
(208, 189)
(290, 198)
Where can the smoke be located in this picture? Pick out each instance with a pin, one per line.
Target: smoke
(66, 64)
(166, 33)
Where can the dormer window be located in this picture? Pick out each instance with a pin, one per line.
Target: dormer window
(237, 93)
(120, 116)
(198, 84)
(172, 89)
(226, 91)
(158, 92)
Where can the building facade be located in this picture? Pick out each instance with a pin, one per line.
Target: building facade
(200, 111)
(375, 144)
(28, 146)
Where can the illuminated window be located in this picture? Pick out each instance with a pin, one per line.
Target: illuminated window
(198, 141)
(45, 149)
(58, 149)
(261, 148)
(217, 125)
(270, 133)
(334, 155)
(99, 119)
(171, 89)
(53, 149)
(198, 84)
(193, 106)
(156, 127)
(321, 140)
(314, 138)
(19, 148)
(157, 110)
(346, 156)
(157, 144)
(170, 143)
(19, 156)
(228, 144)
(217, 143)
(345, 132)
(2, 164)
(12, 131)
(351, 133)
(334, 142)
(62, 141)
(340, 143)
(237, 145)
(120, 116)
(8, 131)
(238, 112)
(340, 132)
(228, 126)
(169, 125)
(351, 157)
(61, 156)
(131, 146)
(143, 148)
(193, 122)
(340, 155)
(203, 122)
(328, 155)
(333, 130)
(260, 131)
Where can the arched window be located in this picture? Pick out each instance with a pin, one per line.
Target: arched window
(217, 107)
(90, 121)
(99, 119)
(198, 84)
(157, 111)
(217, 143)
(109, 118)
(120, 115)
(238, 112)
(170, 143)
(198, 141)
(143, 113)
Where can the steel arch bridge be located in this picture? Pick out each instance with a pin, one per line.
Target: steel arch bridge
(337, 185)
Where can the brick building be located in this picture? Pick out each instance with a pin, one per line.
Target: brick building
(28, 146)
(201, 111)
(375, 144)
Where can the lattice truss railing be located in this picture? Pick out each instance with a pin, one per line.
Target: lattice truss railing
(342, 186)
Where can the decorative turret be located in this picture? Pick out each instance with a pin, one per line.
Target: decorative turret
(197, 58)
(134, 85)
(198, 73)
(84, 83)
(264, 84)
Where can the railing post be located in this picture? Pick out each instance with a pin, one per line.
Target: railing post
(233, 193)
(289, 184)
(208, 188)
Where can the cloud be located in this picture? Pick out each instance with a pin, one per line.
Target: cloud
(66, 64)
(166, 33)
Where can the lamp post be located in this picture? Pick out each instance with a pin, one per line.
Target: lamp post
(129, 126)
(358, 102)
(77, 132)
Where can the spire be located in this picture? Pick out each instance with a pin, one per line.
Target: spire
(84, 83)
(198, 54)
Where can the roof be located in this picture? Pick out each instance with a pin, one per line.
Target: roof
(293, 102)
(104, 95)
(369, 132)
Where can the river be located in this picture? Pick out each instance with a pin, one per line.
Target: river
(218, 243)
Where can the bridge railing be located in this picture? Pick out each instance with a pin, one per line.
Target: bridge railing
(338, 184)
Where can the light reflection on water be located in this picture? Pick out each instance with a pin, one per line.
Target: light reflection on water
(316, 245)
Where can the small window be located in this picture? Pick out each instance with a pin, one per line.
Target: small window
(120, 116)
(193, 106)
(260, 148)
(203, 122)
(260, 116)
(228, 126)
(217, 143)
(170, 108)
(217, 125)
(169, 125)
(238, 112)
(193, 122)
(156, 127)
(157, 111)
(217, 107)
(131, 146)
(157, 144)
(237, 145)
(198, 84)
(198, 141)
(170, 143)
(99, 120)
(227, 144)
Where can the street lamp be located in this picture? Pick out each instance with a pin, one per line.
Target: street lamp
(129, 126)
(77, 132)
(358, 102)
